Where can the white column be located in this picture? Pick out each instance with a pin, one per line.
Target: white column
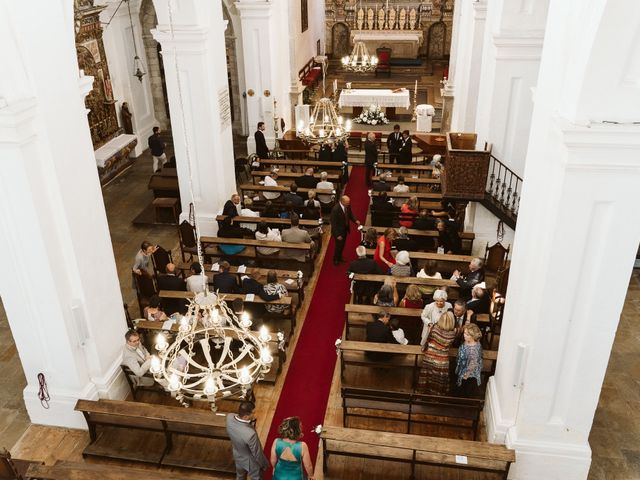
(194, 51)
(59, 287)
(511, 58)
(118, 45)
(467, 64)
(576, 240)
(267, 63)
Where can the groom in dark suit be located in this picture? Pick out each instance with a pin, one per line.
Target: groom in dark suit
(341, 218)
(394, 140)
(261, 144)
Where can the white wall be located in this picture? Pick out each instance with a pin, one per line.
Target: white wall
(484, 224)
(306, 42)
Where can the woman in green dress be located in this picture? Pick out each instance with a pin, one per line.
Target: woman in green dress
(289, 455)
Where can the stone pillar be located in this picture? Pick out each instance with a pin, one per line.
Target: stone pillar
(194, 51)
(118, 44)
(575, 243)
(468, 61)
(510, 61)
(266, 63)
(59, 286)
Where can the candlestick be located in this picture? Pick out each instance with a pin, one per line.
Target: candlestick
(415, 90)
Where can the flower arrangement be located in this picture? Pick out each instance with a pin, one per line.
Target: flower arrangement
(372, 116)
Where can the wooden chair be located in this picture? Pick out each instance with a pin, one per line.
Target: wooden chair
(11, 469)
(188, 243)
(127, 316)
(133, 385)
(145, 289)
(495, 257)
(496, 311)
(384, 61)
(160, 258)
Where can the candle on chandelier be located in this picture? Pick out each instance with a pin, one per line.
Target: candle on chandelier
(265, 355)
(155, 364)
(245, 321)
(161, 342)
(245, 378)
(264, 334)
(174, 383)
(210, 387)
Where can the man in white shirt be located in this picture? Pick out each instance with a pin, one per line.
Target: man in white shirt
(401, 187)
(324, 184)
(137, 358)
(197, 280)
(270, 181)
(247, 212)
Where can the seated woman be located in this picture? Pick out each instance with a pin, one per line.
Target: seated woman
(469, 363)
(274, 288)
(370, 238)
(311, 200)
(429, 271)
(402, 267)
(263, 232)
(448, 239)
(289, 455)
(229, 230)
(434, 372)
(270, 210)
(412, 298)
(432, 312)
(382, 255)
(408, 212)
(153, 311)
(387, 296)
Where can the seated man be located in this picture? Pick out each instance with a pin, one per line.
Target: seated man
(424, 221)
(197, 280)
(232, 206)
(274, 288)
(448, 239)
(307, 180)
(324, 198)
(401, 187)
(467, 282)
(295, 235)
(403, 242)
(379, 331)
(137, 358)
(292, 196)
(271, 180)
(170, 281)
(479, 302)
(382, 211)
(367, 266)
(225, 282)
(251, 284)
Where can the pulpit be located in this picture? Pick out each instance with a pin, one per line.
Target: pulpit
(466, 167)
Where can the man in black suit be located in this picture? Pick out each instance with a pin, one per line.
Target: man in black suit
(341, 218)
(307, 180)
(393, 143)
(225, 282)
(381, 185)
(382, 211)
(232, 207)
(378, 331)
(468, 281)
(406, 145)
(261, 144)
(367, 266)
(370, 156)
(403, 242)
(170, 281)
(293, 197)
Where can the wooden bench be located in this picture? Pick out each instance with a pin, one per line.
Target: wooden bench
(403, 282)
(416, 183)
(394, 167)
(156, 434)
(445, 262)
(93, 471)
(466, 238)
(166, 203)
(311, 73)
(249, 187)
(402, 356)
(13, 468)
(164, 186)
(277, 222)
(415, 408)
(291, 176)
(279, 354)
(416, 450)
(303, 164)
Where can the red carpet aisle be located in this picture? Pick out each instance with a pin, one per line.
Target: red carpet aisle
(306, 389)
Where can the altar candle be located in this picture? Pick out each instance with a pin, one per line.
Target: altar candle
(415, 90)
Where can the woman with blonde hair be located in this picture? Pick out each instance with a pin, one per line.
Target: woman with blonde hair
(412, 298)
(434, 372)
(408, 212)
(382, 255)
(289, 455)
(469, 364)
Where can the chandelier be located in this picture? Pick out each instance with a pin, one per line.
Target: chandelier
(359, 61)
(214, 354)
(325, 125)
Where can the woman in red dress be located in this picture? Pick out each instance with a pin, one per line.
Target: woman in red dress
(382, 255)
(409, 212)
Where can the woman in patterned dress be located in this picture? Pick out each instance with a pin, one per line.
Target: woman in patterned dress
(434, 372)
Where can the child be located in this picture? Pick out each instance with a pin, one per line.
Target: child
(397, 332)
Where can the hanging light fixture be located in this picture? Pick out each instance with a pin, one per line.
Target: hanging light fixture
(137, 63)
(214, 354)
(359, 61)
(325, 125)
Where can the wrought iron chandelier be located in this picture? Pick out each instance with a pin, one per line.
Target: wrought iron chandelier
(214, 354)
(359, 61)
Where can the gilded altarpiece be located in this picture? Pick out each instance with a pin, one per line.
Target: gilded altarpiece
(103, 121)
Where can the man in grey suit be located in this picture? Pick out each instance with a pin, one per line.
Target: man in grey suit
(247, 450)
(137, 358)
(295, 235)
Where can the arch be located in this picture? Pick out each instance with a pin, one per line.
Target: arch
(340, 42)
(148, 21)
(436, 41)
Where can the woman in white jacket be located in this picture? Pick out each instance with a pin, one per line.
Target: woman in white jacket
(431, 313)
(271, 235)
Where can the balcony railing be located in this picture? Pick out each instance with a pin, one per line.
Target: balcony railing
(503, 188)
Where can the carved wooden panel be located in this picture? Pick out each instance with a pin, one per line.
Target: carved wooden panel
(341, 40)
(437, 37)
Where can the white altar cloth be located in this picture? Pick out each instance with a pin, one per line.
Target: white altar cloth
(112, 147)
(381, 97)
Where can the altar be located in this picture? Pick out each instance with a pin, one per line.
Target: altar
(381, 97)
(403, 43)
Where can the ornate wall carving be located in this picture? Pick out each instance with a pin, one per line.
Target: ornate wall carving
(103, 121)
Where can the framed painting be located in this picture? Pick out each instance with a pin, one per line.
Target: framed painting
(304, 14)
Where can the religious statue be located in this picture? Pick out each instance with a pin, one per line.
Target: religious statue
(126, 116)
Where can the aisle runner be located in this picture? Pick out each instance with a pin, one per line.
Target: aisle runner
(305, 392)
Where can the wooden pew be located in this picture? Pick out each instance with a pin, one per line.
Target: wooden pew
(249, 187)
(93, 471)
(414, 408)
(291, 176)
(320, 166)
(416, 450)
(413, 169)
(403, 356)
(289, 314)
(446, 263)
(403, 282)
(416, 182)
(156, 434)
(278, 222)
(279, 354)
(164, 186)
(466, 238)
(13, 468)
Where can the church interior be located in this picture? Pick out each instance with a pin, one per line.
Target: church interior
(401, 225)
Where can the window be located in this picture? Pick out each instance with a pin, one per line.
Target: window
(304, 14)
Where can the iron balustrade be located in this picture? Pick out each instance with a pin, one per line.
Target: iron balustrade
(504, 186)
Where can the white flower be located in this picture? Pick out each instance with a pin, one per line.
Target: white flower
(373, 122)
(317, 429)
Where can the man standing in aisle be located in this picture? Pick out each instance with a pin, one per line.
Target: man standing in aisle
(248, 455)
(370, 156)
(406, 146)
(341, 218)
(156, 145)
(393, 144)
(261, 144)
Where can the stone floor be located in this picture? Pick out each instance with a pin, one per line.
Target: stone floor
(615, 436)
